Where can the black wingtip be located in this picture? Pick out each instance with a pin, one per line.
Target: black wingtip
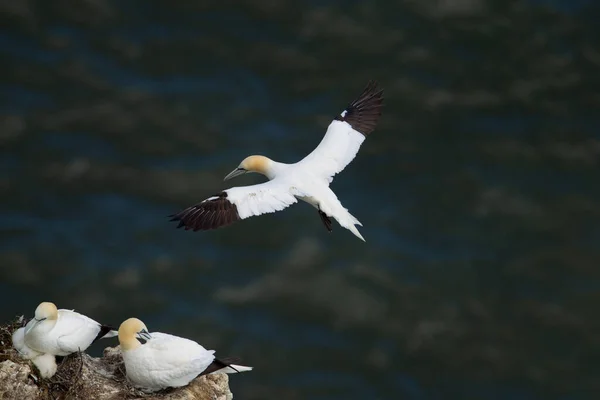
(218, 364)
(104, 329)
(208, 214)
(364, 112)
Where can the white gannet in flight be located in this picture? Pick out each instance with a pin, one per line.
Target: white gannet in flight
(54, 332)
(307, 180)
(164, 360)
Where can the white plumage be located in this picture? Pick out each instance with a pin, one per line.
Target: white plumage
(18, 340)
(71, 333)
(337, 149)
(54, 332)
(165, 360)
(263, 198)
(307, 180)
(46, 364)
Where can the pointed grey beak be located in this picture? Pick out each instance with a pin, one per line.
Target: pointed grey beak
(235, 172)
(144, 335)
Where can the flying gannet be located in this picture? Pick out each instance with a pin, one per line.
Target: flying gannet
(164, 360)
(54, 332)
(307, 180)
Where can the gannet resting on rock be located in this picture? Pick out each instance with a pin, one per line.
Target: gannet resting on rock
(307, 180)
(164, 360)
(54, 332)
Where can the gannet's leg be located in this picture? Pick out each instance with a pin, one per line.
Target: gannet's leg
(326, 220)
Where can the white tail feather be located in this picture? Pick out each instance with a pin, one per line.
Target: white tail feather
(348, 221)
(234, 369)
(354, 220)
(355, 231)
(110, 334)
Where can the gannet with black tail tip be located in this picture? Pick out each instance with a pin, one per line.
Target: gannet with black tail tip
(53, 332)
(164, 360)
(307, 180)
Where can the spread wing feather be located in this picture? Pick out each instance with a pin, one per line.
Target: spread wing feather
(236, 204)
(346, 133)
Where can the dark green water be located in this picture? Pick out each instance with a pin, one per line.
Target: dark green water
(479, 191)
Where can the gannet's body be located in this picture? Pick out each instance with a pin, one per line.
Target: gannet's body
(165, 360)
(307, 180)
(54, 332)
(18, 340)
(45, 363)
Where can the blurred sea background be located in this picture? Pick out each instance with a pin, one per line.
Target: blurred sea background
(479, 190)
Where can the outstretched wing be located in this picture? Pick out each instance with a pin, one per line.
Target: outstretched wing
(237, 203)
(346, 133)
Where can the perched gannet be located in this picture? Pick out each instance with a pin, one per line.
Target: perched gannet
(307, 180)
(165, 360)
(54, 332)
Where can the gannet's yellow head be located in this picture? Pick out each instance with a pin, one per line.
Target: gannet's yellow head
(46, 310)
(130, 331)
(259, 164)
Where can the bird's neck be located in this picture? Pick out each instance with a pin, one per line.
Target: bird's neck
(129, 343)
(273, 169)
